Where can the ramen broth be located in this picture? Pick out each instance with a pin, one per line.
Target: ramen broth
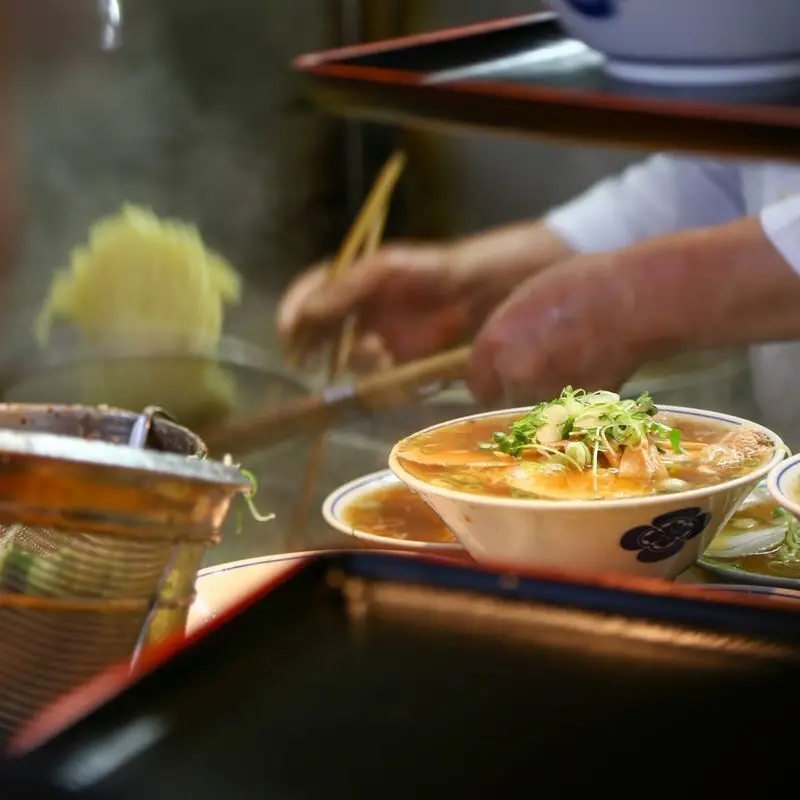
(397, 513)
(760, 532)
(458, 457)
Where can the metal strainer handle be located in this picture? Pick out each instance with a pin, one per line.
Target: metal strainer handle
(144, 422)
(138, 438)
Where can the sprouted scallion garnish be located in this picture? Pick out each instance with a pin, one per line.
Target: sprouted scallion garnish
(789, 551)
(580, 426)
(248, 499)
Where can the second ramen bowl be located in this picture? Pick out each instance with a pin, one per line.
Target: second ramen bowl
(657, 535)
(712, 42)
(783, 483)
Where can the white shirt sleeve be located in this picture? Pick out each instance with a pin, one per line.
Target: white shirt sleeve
(781, 224)
(661, 195)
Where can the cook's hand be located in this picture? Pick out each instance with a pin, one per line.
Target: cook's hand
(570, 324)
(592, 320)
(412, 300)
(407, 300)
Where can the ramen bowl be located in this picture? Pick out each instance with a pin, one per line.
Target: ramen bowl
(689, 41)
(656, 535)
(783, 483)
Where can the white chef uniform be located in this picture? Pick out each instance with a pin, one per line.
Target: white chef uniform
(670, 193)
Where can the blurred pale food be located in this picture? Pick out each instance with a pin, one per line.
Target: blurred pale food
(147, 285)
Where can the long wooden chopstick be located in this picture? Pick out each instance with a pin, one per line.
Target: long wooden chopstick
(365, 236)
(371, 218)
(347, 336)
(340, 355)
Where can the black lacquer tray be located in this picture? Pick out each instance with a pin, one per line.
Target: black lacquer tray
(381, 676)
(526, 76)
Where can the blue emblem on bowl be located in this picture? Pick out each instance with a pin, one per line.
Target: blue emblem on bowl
(665, 535)
(599, 9)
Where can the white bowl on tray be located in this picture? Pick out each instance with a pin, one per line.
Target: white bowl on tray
(336, 504)
(712, 42)
(657, 535)
(750, 589)
(783, 483)
(221, 587)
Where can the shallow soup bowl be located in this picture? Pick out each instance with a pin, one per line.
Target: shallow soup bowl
(657, 535)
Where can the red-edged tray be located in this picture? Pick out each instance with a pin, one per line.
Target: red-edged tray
(526, 76)
(385, 676)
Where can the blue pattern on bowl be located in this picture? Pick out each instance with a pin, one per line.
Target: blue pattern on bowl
(598, 9)
(666, 535)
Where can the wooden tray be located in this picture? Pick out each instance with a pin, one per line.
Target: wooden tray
(526, 76)
(382, 676)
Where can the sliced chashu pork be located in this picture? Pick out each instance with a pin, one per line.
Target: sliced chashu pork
(745, 446)
(642, 463)
(564, 483)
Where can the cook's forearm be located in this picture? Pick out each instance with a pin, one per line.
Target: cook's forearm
(661, 195)
(721, 286)
(508, 256)
(514, 251)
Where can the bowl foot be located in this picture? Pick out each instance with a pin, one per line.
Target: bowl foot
(718, 74)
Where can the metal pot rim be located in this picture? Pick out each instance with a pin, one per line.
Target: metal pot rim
(31, 446)
(229, 351)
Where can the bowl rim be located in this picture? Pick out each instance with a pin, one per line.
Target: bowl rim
(588, 506)
(776, 481)
(215, 570)
(752, 588)
(361, 485)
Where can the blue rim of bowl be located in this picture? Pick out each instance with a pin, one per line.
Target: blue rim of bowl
(335, 502)
(743, 588)
(256, 561)
(776, 483)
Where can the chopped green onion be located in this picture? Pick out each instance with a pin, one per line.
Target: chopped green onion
(583, 425)
(790, 549)
(579, 453)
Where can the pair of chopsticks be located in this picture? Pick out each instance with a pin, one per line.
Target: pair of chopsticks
(363, 239)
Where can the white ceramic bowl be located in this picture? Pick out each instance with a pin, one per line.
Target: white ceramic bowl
(694, 41)
(657, 536)
(783, 483)
(336, 502)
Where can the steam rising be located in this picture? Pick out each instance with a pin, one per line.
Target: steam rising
(155, 124)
